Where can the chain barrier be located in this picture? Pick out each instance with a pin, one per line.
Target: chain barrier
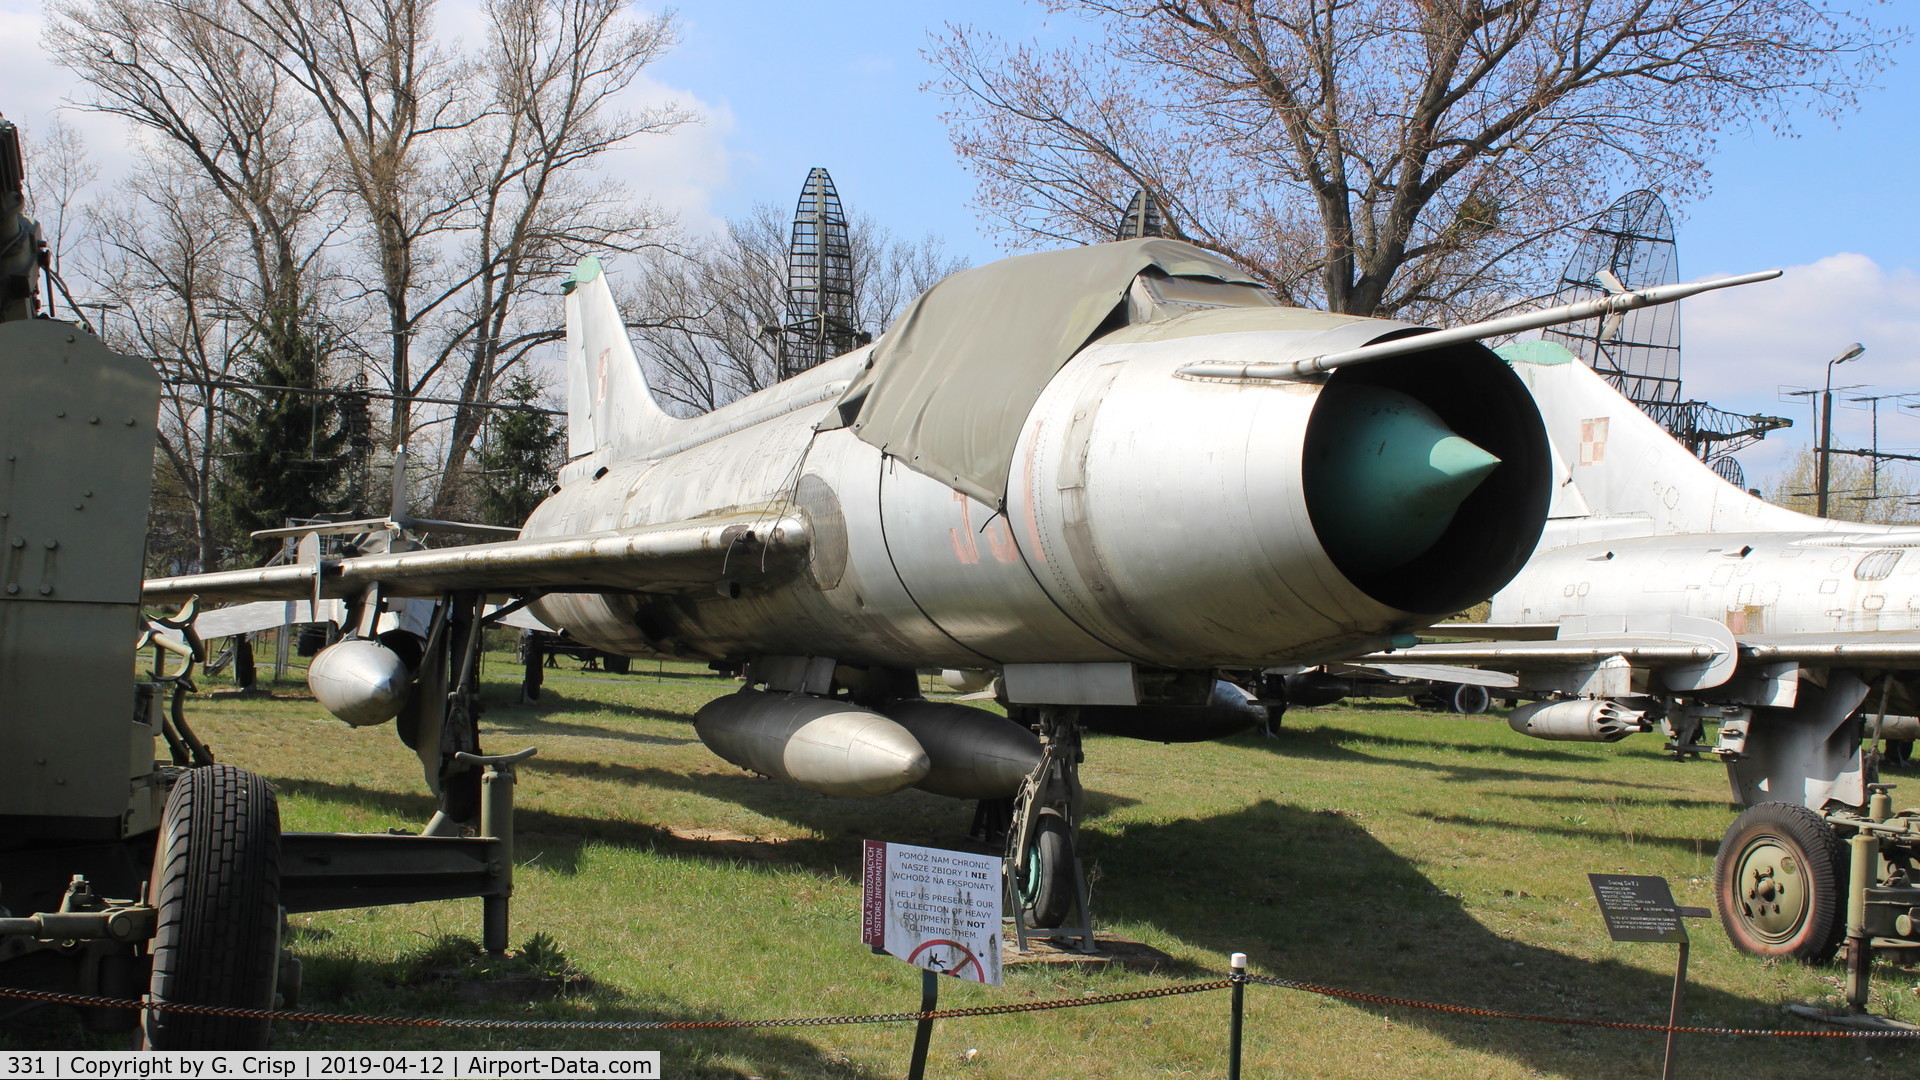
(52, 998)
(89, 1001)
(1620, 1025)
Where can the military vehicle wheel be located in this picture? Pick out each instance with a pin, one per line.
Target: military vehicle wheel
(216, 883)
(1467, 699)
(1777, 882)
(1045, 886)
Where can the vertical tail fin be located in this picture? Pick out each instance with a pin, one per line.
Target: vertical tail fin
(1614, 461)
(609, 406)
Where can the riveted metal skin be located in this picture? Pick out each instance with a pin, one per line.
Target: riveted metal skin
(1151, 518)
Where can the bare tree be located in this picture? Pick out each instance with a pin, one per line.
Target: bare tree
(383, 95)
(61, 171)
(554, 70)
(707, 321)
(1857, 490)
(203, 94)
(229, 217)
(442, 185)
(1382, 157)
(171, 262)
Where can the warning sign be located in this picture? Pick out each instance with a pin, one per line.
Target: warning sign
(935, 909)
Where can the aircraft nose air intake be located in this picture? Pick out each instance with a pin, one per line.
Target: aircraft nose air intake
(1385, 476)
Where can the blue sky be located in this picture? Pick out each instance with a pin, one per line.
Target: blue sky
(784, 86)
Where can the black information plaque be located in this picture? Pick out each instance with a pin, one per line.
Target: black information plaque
(1638, 907)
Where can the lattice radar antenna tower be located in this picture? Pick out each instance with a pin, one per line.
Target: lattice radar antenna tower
(1630, 247)
(1142, 217)
(819, 322)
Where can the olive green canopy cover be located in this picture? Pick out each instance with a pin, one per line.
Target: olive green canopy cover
(950, 384)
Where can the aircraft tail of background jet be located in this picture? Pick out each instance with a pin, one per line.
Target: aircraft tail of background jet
(609, 406)
(1613, 461)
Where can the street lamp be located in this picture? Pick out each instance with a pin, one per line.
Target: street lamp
(1826, 425)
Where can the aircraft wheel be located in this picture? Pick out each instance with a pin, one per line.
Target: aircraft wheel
(617, 665)
(1468, 700)
(1777, 882)
(216, 883)
(1045, 886)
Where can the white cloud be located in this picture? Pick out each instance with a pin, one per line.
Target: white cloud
(1742, 345)
(678, 171)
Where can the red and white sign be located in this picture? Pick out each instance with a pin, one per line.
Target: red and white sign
(935, 909)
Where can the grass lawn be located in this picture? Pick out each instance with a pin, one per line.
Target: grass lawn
(1379, 849)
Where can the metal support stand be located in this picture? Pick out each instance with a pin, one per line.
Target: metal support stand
(923, 1031)
(1863, 865)
(1238, 964)
(1673, 1013)
(1863, 854)
(1081, 932)
(496, 821)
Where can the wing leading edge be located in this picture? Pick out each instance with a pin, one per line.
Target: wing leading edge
(683, 556)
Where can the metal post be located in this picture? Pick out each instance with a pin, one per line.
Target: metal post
(923, 1031)
(1826, 445)
(1238, 962)
(283, 644)
(496, 821)
(1865, 854)
(1673, 1013)
(1826, 424)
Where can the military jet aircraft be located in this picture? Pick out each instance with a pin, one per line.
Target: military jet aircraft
(1108, 474)
(1662, 597)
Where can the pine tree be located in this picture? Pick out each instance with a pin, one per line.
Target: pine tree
(519, 456)
(287, 456)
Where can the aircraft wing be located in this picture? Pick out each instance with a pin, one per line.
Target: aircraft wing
(1858, 648)
(683, 556)
(1445, 673)
(1689, 653)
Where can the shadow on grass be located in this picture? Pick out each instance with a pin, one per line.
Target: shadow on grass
(1313, 897)
(1328, 744)
(1350, 737)
(537, 712)
(400, 988)
(503, 722)
(1692, 845)
(1651, 802)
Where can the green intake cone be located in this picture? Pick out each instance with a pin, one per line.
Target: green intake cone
(1384, 476)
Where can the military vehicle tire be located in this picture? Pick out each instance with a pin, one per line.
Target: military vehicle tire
(1046, 889)
(216, 883)
(1777, 881)
(1467, 699)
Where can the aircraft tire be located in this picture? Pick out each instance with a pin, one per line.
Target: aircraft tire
(617, 665)
(216, 880)
(1777, 881)
(1468, 699)
(1045, 891)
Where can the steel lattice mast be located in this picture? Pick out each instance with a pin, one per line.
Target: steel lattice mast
(1631, 247)
(819, 322)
